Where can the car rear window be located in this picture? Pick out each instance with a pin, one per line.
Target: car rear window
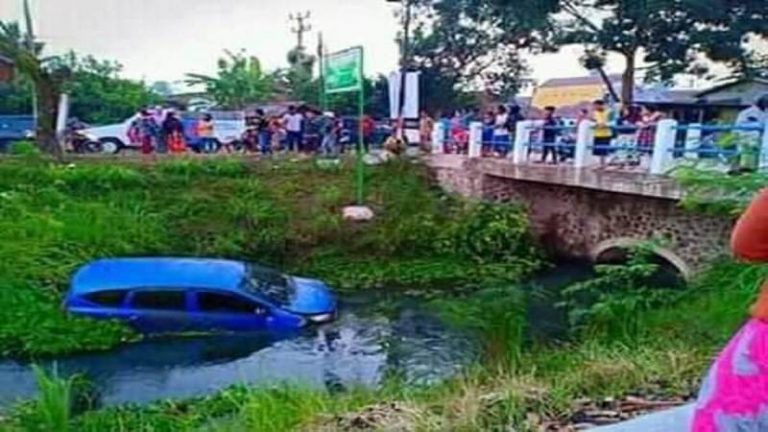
(159, 300)
(107, 298)
(224, 303)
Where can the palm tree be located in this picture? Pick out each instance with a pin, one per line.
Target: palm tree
(239, 81)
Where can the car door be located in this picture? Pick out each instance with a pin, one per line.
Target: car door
(228, 312)
(159, 311)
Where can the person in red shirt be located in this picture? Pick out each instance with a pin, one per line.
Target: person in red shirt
(369, 126)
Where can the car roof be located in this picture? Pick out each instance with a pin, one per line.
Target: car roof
(137, 273)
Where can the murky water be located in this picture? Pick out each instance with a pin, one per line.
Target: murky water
(374, 336)
(360, 348)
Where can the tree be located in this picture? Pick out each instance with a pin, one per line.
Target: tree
(298, 78)
(668, 36)
(161, 88)
(467, 37)
(240, 81)
(47, 80)
(98, 94)
(471, 44)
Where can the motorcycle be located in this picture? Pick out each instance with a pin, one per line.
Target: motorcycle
(81, 142)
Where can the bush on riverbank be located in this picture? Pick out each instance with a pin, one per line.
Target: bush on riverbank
(54, 218)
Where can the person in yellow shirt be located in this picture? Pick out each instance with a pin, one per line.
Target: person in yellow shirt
(601, 115)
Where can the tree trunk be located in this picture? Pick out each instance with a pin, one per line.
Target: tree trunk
(628, 79)
(47, 101)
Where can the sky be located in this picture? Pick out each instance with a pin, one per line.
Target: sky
(165, 39)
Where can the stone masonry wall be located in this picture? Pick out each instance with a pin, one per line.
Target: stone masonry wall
(571, 221)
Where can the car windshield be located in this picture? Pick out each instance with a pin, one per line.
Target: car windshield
(270, 283)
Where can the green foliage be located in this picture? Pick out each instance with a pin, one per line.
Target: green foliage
(493, 233)
(461, 43)
(240, 81)
(54, 218)
(51, 411)
(99, 94)
(497, 314)
(32, 324)
(719, 193)
(613, 303)
(23, 148)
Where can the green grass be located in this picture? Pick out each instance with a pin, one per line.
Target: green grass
(54, 218)
(669, 357)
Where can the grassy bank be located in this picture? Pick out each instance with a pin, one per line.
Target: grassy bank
(516, 384)
(636, 339)
(54, 218)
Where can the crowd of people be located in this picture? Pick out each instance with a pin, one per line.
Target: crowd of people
(299, 129)
(631, 129)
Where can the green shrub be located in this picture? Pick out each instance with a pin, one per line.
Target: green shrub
(613, 303)
(24, 148)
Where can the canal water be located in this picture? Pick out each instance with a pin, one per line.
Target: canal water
(373, 337)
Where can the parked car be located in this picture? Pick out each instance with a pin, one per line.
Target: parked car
(228, 128)
(169, 295)
(15, 128)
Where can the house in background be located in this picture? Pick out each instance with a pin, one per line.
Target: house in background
(7, 67)
(720, 103)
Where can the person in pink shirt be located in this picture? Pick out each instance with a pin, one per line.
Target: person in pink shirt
(734, 395)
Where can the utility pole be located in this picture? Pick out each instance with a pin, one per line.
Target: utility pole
(31, 46)
(302, 26)
(405, 56)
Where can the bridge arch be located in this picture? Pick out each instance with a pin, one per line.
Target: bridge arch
(624, 243)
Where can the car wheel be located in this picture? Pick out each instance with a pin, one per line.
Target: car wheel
(111, 145)
(94, 147)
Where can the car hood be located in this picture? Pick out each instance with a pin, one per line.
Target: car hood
(312, 297)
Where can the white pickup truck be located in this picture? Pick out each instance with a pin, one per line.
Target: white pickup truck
(229, 127)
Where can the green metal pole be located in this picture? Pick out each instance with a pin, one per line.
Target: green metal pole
(360, 144)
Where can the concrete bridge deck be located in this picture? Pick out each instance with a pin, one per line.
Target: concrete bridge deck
(625, 182)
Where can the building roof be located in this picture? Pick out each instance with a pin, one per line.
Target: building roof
(729, 84)
(127, 273)
(665, 96)
(6, 60)
(579, 81)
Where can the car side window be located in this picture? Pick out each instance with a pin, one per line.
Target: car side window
(226, 303)
(111, 299)
(159, 300)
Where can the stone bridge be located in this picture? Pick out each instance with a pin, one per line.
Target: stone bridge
(584, 213)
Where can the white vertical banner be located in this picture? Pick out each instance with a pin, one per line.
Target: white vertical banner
(411, 109)
(394, 95)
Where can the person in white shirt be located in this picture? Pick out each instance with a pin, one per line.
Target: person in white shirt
(501, 139)
(293, 121)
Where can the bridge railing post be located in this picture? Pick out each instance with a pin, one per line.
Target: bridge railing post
(585, 138)
(522, 142)
(693, 141)
(475, 139)
(664, 145)
(763, 164)
(438, 139)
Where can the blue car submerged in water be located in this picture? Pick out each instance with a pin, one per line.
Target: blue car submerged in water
(168, 295)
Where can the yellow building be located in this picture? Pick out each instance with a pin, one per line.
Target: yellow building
(569, 92)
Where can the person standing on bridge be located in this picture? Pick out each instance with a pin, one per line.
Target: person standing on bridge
(603, 133)
(734, 395)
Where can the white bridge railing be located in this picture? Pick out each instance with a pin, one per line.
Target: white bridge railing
(672, 144)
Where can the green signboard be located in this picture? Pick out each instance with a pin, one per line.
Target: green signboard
(343, 71)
